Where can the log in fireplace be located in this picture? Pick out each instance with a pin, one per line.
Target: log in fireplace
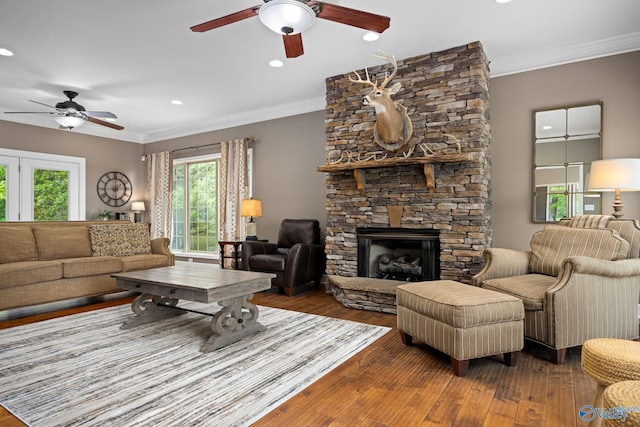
(399, 253)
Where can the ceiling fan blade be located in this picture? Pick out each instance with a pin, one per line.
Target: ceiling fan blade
(30, 112)
(42, 103)
(352, 17)
(103, 123)
(225, 20)
(293, 45)
(101, 114)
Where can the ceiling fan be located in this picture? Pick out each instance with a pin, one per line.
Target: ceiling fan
(69, 114)
(291, 17)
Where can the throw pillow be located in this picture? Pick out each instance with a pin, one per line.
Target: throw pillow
(120, 239)
(549, 247)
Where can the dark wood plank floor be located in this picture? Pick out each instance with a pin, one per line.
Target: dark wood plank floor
(389, 384)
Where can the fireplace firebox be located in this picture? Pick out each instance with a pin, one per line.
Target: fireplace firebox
(398, 254)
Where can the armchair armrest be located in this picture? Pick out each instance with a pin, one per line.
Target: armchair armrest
(599, 267)
(250, 248)
(594, 298)
(305, 263)
(160, 246)
(500, 263)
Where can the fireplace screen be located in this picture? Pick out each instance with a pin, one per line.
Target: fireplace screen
(398, 254)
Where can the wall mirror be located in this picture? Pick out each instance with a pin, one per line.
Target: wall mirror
(566, 141)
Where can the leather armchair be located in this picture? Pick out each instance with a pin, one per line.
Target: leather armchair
(297, 258)
(574, 284)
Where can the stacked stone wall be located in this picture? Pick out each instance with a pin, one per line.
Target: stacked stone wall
(447, 97)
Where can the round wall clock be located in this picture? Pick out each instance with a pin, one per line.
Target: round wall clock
(114, 189)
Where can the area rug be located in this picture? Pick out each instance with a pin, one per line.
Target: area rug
(83, 370)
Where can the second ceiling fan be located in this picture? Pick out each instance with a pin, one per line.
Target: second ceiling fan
(291, 17)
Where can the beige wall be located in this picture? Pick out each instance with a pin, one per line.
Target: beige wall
(288, 150)
(101, 154)
(613, 80)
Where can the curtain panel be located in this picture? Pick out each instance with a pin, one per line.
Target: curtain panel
(233, 188)
(160, 185)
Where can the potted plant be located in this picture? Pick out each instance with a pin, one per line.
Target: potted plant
(105, 214)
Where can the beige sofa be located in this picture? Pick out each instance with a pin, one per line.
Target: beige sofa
(580, 280)
(42, 262)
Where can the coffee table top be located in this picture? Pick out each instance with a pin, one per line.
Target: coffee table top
(200, 278)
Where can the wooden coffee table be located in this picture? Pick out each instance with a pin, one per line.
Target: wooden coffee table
(162, 288)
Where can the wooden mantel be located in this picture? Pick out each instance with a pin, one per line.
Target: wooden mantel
(427, 162)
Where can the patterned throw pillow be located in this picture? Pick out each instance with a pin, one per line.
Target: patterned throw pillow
(549, 247)
(120, 239)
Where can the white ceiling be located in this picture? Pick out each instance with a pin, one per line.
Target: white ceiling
(133, 57)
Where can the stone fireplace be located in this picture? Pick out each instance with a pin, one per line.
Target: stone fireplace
(440, 182)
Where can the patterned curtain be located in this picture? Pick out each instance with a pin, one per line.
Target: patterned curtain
(160, 183)
(233, 188)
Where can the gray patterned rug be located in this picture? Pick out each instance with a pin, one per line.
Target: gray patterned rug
(83, 370)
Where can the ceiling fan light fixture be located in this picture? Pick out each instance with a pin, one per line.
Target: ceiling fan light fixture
(69, 121)
(287, 16)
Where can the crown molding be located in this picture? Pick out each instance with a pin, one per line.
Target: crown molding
(579, 52)
(244, 118)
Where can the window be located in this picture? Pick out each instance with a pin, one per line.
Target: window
(41, 187)
(195, 205)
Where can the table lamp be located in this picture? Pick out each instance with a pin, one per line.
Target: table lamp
(615, 175)
(251, 208)
(137, 208)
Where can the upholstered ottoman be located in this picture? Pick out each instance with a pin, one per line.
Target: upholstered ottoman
(463, 321)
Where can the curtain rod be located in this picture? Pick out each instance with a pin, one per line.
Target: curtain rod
(195, 147)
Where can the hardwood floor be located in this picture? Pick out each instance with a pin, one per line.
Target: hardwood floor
(389, 384)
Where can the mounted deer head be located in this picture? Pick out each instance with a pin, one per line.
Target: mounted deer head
(393, 127)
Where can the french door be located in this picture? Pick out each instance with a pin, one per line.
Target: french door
(41, 187)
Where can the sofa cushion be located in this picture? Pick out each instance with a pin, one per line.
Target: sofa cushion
(143, 262)
(120, 239)
(62, 242)
(27, 272)
(530, 288)
(550, 246)
(90, 266)
(18, 244)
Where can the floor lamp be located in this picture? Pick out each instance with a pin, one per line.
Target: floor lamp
(615, 175)
(251, 208)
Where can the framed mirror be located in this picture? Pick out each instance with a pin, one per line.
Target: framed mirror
(566, 141)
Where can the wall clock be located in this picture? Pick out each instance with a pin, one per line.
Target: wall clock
(114, 189)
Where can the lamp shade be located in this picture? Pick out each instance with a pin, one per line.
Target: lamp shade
(137, 206)
(251, 207)
(69, 121)
(614, 174)
(286, 16)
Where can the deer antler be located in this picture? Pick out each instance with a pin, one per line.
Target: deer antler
(390, 59)
(360, 80)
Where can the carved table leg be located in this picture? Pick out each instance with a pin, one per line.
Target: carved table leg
(148, 309)
(236, 320)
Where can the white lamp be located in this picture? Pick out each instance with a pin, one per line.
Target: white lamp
(251, 208)
(286, 16)
(69, 122)
(137, 208)
(615, 175)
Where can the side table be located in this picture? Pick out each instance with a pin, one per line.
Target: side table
(235, 252)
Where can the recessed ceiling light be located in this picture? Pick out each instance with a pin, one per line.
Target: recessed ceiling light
(371, 36)
(5, 52)
(176, 102)
(502, 1)
(276, 63)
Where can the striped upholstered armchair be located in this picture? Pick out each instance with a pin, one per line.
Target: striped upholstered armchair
(580, 280)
